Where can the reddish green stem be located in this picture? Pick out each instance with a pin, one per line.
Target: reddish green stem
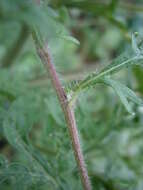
(68, 111)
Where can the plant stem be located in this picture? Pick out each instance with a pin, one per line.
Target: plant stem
(68, 111)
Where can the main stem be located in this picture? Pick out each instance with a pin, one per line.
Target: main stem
(68, 111)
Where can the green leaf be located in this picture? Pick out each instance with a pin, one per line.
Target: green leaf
(90, 6)
(126, 60)
(54, 111)
(21, 176)
(135, 45)
(18, 143)
(124, 93)
(121, 62)
(71, 39)
(3, 161)
(7, 94)
(12, 135)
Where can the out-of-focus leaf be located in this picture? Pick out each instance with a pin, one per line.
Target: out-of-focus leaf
(17, 142)
(135, 45)
(91, 6)
(138, 72)
(71, 39)
(124, 93)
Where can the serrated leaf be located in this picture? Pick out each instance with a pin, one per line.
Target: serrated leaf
(124, 93)
(124, 61)
(121, 62)
(21, 176)
(17, 142)
(71, 86)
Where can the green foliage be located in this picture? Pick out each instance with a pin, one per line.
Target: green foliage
(35, 150)
(124, 93)
(124, 61)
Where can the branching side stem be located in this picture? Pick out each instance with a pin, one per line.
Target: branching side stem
(68, 111)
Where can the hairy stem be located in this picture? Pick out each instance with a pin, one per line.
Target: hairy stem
(68, 111)
(12, 53)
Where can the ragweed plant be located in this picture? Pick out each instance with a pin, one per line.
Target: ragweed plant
(37, 152)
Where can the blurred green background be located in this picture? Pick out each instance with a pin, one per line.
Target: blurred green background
(35, 150)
